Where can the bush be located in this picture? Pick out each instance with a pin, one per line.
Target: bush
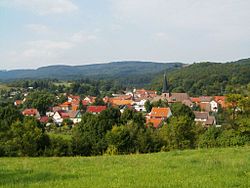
(231, 138)
(209, 138)
(58, 147)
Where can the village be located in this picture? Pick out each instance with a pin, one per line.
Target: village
(203, 107)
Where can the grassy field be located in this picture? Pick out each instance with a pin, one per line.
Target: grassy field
(4, 87)
(198, 168)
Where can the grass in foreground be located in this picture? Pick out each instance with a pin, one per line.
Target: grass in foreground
(194, 168)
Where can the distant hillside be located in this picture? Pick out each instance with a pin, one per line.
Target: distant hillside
(208, 78)
(118, 70)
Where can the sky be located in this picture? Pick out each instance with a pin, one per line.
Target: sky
(35, 33)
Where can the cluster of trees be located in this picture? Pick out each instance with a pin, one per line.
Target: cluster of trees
(111, 132)
(82, 87)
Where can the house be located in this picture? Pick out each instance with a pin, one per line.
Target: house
(123, 97)
(204, 118)
(106, 99)
(188, 103)
(75, 116)
(73, 98)
(145, 93)
(18, 102)
(124, 107)
(221, 100)
(89, 99)
(195, 100)
(206, 98)
(121, 102)
(155, 122)
(66, 106)
(139, 105)
(205, 106)
(59, 116)
(158, 115)
(44, 119)
(32, 112)
(96, 109)
(85, 103)
(177, 97)
(75, 105)
(214, 106)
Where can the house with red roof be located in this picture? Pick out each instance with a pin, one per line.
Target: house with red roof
(158, 115)
(31, 112)
(66, 106)
(44, 119)
(59, 116)
(195, 100)
(221, 100)
(18, 102)
(96, 109)
(73, 98)
(89, 99)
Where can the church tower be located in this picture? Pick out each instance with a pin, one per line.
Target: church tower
(165, 88)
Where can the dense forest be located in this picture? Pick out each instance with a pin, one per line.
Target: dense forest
(196, 79)
(208, 78)
(133, 73)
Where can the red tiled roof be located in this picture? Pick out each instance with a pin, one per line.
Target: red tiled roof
(121, 102)
(222, 101)
(66, 104)
(90, 99)
(44, 119)
(56, 108)
(205, 106)
(123, 97)
(219, 98)
(195, 99)
(85, 103)
(106, 99)
(159, 112)
(18, 102)
(30, 112)
(96, 109)
(155, 122)
(64, 115)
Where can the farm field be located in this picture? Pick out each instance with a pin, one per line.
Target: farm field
(228, 167)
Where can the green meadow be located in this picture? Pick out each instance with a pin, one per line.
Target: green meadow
(228, 167)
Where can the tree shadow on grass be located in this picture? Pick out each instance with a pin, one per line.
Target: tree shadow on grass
(27, 177)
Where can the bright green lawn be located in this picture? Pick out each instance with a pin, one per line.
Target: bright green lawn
(197, 168)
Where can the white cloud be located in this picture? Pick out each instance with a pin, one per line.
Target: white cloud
(183, 14)
(82, 37)
(38, 28)
(161, 36)
(38, 52)
(50, 45)
(44, 7)
(44, 49)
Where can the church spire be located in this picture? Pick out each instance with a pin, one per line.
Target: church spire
(165, 84)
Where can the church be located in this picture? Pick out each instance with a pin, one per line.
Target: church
(172, 97)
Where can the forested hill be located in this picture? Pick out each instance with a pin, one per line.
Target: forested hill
(208, 78)
(119, 70)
